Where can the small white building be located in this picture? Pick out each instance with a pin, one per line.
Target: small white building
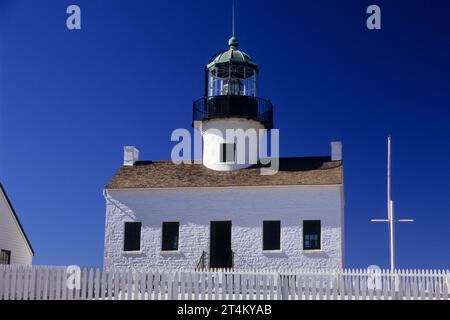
(222, 212)
(15, 248)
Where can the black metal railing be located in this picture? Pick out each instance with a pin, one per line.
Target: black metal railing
(202, 261)
(234, 106)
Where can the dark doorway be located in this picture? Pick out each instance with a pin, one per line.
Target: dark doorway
(220, 253)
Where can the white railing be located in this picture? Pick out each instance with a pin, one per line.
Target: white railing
(58, 283)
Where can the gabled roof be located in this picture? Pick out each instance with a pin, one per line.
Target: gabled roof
(166, 174)
(16, 217)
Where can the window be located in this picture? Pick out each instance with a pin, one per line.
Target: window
(227, 152)
(132, 241)
(170, 232)
(271, 235)
(5, 257)
(311, 235)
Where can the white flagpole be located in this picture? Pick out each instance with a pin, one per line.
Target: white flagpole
(390, 208)
(390, 205)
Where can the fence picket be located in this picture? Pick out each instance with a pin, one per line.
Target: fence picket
(262, 286)
(256, 284)
(280, 282)
(189, 286)
(228, 286)
(108, 284)
(202, 285)
(271, 287)
(57, 287)
(422, 284)
(209, 286)
(2, 281)
(12, 288)
(144, 294)
(174, 287)
(19, 283)
(116, 281)
(304, 292)
(250, 278)
(415, 284)
(236, 286)
(215, 285)
(292, 287)
(26, 283)
(446, 285)
(196, 285)
(428, 284)
(222, 281)
(149, 286)
(158, 286)
(438, 285)
(164, 286)
(103, 285)
(183, 286)
(321, 292)
(7, 284)
(90, 284)
(53, 285)
(96, 286)
(135, 288)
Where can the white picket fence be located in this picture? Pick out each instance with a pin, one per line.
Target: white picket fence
(51, 283)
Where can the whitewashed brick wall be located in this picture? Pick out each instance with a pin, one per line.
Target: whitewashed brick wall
(246, 207)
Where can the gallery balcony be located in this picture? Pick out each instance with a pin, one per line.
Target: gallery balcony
(234, 106)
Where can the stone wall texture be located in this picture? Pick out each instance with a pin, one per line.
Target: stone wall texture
(246, 207)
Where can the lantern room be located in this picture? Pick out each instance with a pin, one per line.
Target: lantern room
(231, 72)
(231, 79)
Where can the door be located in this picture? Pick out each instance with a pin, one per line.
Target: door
(220, 255)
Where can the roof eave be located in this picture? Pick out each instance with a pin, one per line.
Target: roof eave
(16, 218)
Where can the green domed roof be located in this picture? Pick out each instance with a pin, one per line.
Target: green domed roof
(233, 56)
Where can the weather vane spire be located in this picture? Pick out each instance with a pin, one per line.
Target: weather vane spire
(233, 42)
(232, 14)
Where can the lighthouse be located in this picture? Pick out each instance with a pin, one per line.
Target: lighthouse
(230, 106)
(224, 212)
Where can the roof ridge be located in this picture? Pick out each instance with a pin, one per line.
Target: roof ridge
(284, 157)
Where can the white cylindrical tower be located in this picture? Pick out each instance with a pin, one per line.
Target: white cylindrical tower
(231, 114)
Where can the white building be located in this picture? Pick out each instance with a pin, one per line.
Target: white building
(15, 248)
(222, 212)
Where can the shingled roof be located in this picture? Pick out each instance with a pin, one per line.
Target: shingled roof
(166, 174)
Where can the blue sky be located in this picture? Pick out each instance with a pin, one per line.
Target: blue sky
(70, 100)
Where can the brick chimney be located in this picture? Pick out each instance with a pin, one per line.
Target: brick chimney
(130, 155)
(336, 151)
